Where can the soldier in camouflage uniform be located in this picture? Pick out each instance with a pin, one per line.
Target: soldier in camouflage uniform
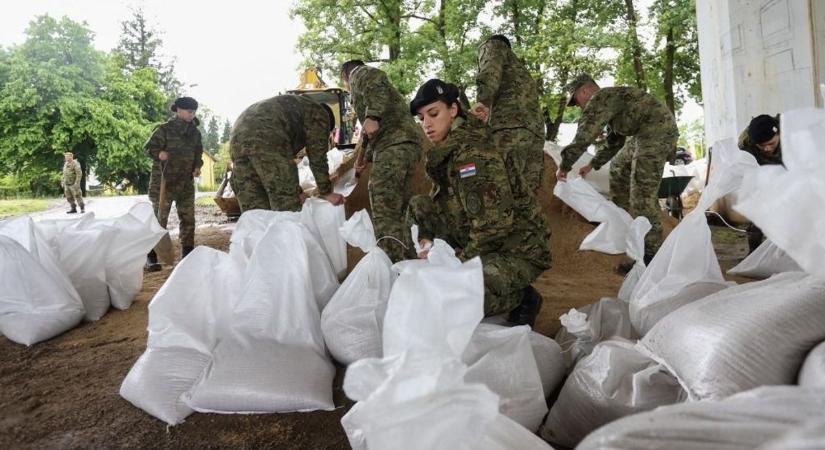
(265, 139)
(393, 145)
(472, 206)
(176, 150)
(508, 99)
(761, 139)
(72, 175)
(641, 133)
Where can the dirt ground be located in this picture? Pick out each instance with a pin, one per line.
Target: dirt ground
(63, 393)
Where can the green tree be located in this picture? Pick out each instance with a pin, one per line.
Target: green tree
(211, 139)
(677, 54)
(227, 130)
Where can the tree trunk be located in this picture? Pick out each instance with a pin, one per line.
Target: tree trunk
(667, 82)
(634, 44)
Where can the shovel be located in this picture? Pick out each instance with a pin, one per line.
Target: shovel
(164, 248)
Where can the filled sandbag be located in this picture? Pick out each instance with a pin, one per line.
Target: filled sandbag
(765, 261)
(742, 337)
(324, 220)
(614, 381)
(812, 373)
(586, 327)
(352, 320)
(549, 360)
(809, 436)
(741, 422)
(38, 301)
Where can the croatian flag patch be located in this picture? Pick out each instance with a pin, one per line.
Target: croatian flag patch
(467, 170)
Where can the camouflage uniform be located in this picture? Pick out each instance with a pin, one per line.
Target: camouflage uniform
(394, 152)
(636, 169)
(182, 142)
(471, 206)
(508, 89)
(72, 175)
(265, 139)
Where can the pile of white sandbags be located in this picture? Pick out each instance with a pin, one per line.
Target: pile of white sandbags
(422, 394)
(240, 332)
(766, 260)
(586, 327)
(775, 416)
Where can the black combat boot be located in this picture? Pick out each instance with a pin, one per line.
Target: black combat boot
(152, 264)
(185, 250)
(648, 258)
(624, 267)
(526, 312)
(72, 211)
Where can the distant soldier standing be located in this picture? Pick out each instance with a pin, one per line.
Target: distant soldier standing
(508, 99)
(176, 149)
(265, 139)
(394, 147)
(636, 168)
(761, 139)
(72, 174)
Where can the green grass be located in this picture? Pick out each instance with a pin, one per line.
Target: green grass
(24, 206)
(205, 201)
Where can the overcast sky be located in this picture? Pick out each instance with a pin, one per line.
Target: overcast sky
(234, 52)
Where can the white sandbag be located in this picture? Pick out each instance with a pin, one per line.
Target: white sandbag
(590, 325)
(766, 260)
(787, 204)
(809, 436)
(160, 378)
(502, 359)
(261, 376)
(609, 236)
(549, 361)
(36, 303)
(324, 220)
(614, 381)
(742, 337)
(635, 250)
(741, 422)
(353, 319)
(812, 373)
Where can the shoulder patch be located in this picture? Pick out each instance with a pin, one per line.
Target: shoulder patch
(467, 170)
(473, 203)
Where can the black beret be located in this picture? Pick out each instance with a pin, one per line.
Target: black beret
(185, 103)
(762, 128)
(432, 91)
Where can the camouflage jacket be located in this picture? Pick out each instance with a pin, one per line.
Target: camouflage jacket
(508, 89)
(71, 173)
(472, 190)
(762, 158)
(287, 124)
(374, 96)
(182, 141)
(624, 111)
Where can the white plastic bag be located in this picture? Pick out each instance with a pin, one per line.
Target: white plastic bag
(353, 319)
(324, 220)
(549, 361)
(583, 329)
(614, 381)
(809, 436)
(741, 422)
(766, 260)
(813, 369)
(743, 337)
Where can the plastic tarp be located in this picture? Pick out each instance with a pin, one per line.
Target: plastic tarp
(813, 369)
(743, 337)
(614, 381)
(353, 319)
(765, 261)
(417, 395)
(590, 325)
(787, 204)
(744, 421)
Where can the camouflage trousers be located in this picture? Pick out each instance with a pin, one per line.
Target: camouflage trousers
(506, 274)
(524, 156)
(265, 179)
(74, 195)
(181, 190)
(635, 175)
(390, 189)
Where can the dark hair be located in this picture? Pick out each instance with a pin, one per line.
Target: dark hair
(330, 114)
(436, 90)
(347, 67)
(501, 38)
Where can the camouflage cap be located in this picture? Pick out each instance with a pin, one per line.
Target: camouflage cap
(571, 88)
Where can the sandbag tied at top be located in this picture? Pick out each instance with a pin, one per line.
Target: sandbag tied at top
(742, 337)
(741, 422)
(614, 381)
(586, 327)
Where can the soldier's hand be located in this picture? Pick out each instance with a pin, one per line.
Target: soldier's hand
(302, 197)
(335, 198)
(585, 170)
(196, 172)
(426, 245)
(163, 155)
(561, 175)
(359, 166)
(481, 111)
(371, 127)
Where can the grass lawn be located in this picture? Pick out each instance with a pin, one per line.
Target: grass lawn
(205, 201)
(24, 206)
